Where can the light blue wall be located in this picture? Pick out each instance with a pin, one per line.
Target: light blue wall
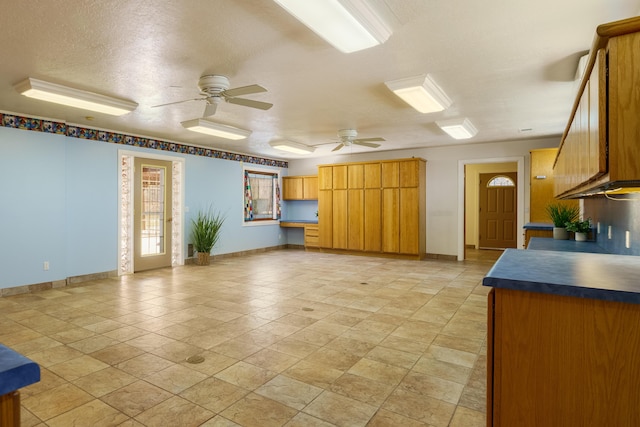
(32, 207)
(59, 203)
(92, 206)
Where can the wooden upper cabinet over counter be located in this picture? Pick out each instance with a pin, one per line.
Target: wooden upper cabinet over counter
(600, 148)
(300, 187)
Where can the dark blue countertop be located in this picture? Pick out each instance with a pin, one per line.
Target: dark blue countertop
(579, 274)
(538, 226)
(301, 221)
(545, 244)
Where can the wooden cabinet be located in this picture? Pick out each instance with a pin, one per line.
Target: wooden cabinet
(325, 205)
(561, 361)
(300, 187)
(311, 236)
(599, 149)
(542, 185)
(374, 206)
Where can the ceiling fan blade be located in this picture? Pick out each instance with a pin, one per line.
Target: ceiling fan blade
(244, 90)
(178, 102)
(210, 109)
(338, 147)
(250, 103)
(366, 144)
(368, 139)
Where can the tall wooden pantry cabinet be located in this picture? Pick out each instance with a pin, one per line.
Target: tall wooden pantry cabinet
(376, 206)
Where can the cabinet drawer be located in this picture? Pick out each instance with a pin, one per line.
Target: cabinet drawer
(311, 236)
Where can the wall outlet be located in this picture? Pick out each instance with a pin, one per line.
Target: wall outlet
(598, 227)
(609, 232)
(45, 265)
(627, 239)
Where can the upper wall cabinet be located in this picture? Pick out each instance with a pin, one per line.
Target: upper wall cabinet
(300, 187)
(600, 147)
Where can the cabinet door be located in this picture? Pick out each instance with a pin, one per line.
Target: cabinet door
(310, 188)
(390, 220)
(355, 176)
(372, 220)
(597, 119)
(409, 221)
(409, 173)
(292, 188)
(325, 177)
(355, 218)
(340, 177)
(325, 218)
(372, 177)
(340, 219)
(390, 174)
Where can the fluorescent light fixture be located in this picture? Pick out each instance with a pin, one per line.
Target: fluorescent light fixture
(349, 25)
(292, 147)
(458, 128)
(215, 129)
(71, 97)
(421, 92)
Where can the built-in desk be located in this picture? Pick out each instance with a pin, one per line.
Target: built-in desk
(537, 229)
(311, 230)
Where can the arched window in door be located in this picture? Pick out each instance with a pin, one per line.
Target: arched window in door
(501, 181)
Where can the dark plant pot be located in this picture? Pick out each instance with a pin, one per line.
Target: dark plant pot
(560, 233)
(203, 258)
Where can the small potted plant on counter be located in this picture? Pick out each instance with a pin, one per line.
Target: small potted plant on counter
(580, 228)
(560, 215)
(205, 233)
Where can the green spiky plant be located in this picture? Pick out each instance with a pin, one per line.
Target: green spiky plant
(205, 233)
(561, 214)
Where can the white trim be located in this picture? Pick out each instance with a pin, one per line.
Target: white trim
(274, 170)
(179, 256)
(520, 197)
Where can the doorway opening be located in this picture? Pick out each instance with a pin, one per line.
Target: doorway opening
(468, 209)
(164, 230)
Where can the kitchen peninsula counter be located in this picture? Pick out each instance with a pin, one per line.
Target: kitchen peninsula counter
(563, 339)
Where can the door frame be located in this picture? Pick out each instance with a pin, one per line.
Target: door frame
(125, 210)
(461, 192)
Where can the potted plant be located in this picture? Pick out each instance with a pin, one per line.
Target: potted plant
(205, 232)
(580, 228)
(560, 215)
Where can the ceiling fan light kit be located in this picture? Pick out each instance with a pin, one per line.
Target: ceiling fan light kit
(421, 92)
(71, 97)
(292, 147)
(458, 128)
(215, 129)
(348, 25)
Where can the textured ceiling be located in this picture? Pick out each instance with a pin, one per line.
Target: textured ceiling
(506, 65)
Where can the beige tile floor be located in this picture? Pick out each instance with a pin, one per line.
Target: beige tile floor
(289, 338)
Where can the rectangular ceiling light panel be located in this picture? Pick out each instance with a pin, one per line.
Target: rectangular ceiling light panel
(292, 147)
(458, 128)
(421, 92)
(71, 97)
(215, 129)
(348, 25)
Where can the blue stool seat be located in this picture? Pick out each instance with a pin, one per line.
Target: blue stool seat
(16, 371)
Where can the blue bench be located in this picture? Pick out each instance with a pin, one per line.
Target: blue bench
(16, 371)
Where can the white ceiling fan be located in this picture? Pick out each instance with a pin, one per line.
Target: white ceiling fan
(215, 89)
(348, 138)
